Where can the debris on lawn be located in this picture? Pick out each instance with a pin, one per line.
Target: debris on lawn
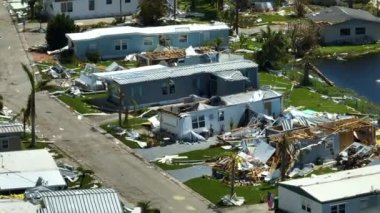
(168, 159)
(233, 200)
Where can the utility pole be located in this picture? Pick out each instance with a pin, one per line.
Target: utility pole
(237, 16)
(283, 147)
(175, 9)
(120, 9)
(232, 184)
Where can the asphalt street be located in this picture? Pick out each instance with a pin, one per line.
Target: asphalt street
(112, 162)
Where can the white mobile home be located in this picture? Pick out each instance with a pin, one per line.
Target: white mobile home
(86, 9)
(117, 42)
(21, 170)
(218, 114)
(349, 191)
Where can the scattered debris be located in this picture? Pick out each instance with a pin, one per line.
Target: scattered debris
(233, 200)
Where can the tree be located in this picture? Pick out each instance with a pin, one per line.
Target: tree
(29, 113)
(274, 49)
(56, 30)
(146, 208)
(1, 102)
(31, 4)
(304, 36)
(300, 7)
(152, 10)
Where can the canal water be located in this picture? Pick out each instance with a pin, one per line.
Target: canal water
(358, 74)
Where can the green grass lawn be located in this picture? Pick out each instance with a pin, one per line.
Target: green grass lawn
(133, 123)
(351, 50)
(213, 190)
(39, 145)
(170, 166)
(209, 154)
(206, 154)
(80, 104)
(270, 18)
(322, 171)
(312, 100)
(305, 97)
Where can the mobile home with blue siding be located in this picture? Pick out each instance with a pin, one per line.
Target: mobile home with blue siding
(117, 42)
(146, 86)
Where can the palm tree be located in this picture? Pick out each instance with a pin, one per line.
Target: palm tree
(1, 102)
(30, 110)
(31, 4)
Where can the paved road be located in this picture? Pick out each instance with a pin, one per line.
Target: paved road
(134, 180)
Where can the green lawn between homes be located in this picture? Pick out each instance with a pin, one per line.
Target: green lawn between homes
(133, 123)
(213, 190)
(350, 50)
(80, 104)
(201, 155)
(303, 96)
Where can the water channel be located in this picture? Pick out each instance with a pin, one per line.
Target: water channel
(360, 75)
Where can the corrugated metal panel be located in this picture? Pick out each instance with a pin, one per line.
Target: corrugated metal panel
(86, 200)
(231, 75)
(11, 128)
(125, 77)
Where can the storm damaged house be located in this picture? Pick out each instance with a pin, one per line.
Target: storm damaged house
(218, 114)
(117, 42)
(342, 25)
(156, 85)
(322, 140)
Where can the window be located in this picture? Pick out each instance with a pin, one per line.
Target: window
(183, 38)
(339, 208)
(345, 32)
(198, 121)
(168, 88)
(171, 87)
(109, 1)
(364, 203)
(120, 44)
(164, 89)
(127, 1)
(196, 83)
(306, 206)
(5, 144)
(360, 31)
(148, 41)
(221, 116)
(91, 5)
(92, 47)
(66, 7)
(140, 91)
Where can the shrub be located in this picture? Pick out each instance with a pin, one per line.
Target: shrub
(93, 56)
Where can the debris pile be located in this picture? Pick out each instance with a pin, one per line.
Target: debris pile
(295, 144)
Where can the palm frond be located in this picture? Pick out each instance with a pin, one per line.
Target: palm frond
(42, 85)
(30, 75)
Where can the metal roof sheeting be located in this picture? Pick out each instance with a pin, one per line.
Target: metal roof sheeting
(11, 128)
(337, 14)
(340, 185)
(81, 201)
(21, 169)
(147, 31)
(147, 74)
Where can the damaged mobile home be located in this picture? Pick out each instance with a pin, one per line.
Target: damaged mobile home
(157, 84)
(117, 42)
(217, 114)
(296, 141)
